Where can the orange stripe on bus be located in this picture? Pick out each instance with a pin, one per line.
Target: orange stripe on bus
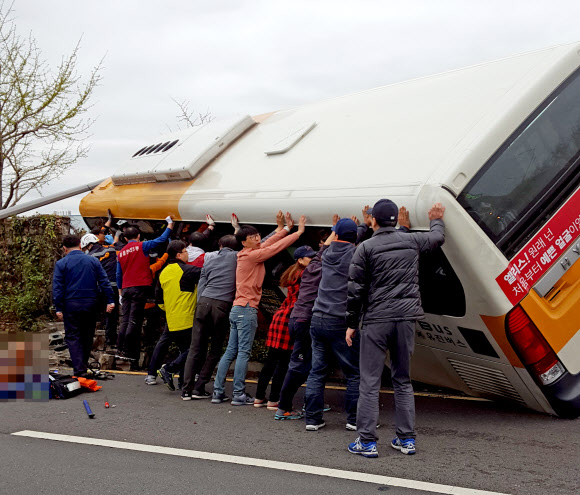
(151, 201)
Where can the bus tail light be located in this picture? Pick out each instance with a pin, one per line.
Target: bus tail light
(532, 348)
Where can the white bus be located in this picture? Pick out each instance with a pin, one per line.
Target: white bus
(497, 143)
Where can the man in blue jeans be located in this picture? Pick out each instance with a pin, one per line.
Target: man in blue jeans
(250, 272)
(328, 328)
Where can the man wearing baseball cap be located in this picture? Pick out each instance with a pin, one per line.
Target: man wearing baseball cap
(383, 289)
(328, 327)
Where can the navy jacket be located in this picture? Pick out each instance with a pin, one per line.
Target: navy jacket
(384, 275)
(79, 277)
(332, 291)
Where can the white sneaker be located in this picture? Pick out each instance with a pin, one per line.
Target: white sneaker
(151, 380)
(315, 427)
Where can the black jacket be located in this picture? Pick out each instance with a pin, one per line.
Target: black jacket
(383, 280)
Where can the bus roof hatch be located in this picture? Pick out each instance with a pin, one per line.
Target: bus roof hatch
(182, 155)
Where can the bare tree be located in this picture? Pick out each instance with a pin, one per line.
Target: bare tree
(42, 123)
(189, 118)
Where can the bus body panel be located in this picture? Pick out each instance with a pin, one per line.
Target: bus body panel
(417, 143)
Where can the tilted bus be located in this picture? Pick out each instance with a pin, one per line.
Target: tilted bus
(497, 143)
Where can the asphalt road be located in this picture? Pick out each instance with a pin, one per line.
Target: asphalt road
(480, 445)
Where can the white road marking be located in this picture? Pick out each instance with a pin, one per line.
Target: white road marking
(264, 463)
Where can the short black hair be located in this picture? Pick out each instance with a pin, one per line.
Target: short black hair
(197, 239)
(131, 233)
(174, 248)
(245, 231)
(97, 230)
(228, 241)
(71, 241)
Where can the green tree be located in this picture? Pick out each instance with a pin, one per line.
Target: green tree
(43, 127)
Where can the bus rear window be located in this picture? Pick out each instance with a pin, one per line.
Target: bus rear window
(532, 174)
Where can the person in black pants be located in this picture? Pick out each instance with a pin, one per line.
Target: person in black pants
(77, 282)
(216, 291)
(176, 295)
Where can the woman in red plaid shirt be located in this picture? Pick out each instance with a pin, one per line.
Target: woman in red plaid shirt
(278, 340)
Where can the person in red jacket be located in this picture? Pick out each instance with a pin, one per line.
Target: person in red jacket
(133, 280)
(278, 341)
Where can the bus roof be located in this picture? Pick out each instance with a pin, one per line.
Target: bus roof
(385, 142)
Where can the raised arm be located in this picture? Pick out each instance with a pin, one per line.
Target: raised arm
(149, 245)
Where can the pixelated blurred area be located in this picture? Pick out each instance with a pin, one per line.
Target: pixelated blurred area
(24, 367)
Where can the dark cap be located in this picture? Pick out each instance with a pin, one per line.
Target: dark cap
(344, 226)
(304, 252)
(385, 212)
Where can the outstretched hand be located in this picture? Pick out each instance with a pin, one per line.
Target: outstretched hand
(335, 219)
(235, 223)
(436, 212)
(289, 220)
(366, 217)
(302, 225)
(404, 217)
(280, 219)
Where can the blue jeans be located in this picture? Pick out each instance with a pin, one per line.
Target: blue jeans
(329, 345)
(243, 325)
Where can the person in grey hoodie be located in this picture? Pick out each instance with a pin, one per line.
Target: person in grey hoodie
(328, 328)
(216, 291)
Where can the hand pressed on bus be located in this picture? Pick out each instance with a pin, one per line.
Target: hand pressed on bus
(302, 225)
(289, 220)
(404, 217)
(436, 212)
(279, 220)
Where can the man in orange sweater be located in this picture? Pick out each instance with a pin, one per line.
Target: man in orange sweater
(250, 274)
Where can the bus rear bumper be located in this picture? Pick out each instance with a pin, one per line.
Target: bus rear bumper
(564, 395)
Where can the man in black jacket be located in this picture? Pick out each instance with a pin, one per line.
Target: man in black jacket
(383, 288)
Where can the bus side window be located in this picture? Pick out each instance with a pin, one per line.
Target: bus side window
(441, 290)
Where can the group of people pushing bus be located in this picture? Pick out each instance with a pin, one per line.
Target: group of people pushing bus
(350, 302)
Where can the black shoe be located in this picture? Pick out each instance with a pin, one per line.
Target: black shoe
(185, 395)
(166, 377)
(200, 395)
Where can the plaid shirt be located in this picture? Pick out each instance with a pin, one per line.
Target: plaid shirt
(278, 334)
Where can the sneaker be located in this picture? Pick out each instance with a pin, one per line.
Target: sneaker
(351, 427)
(185, 395)
(315, 427)
(151, 380)
(200, 395)
(406, 446)
(260, 403)
(365, 449)
(272, 406)
(242, 400)
(282, 415)
(218, 398)
(166, 377)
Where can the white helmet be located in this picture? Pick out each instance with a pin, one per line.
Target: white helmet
(88, 239)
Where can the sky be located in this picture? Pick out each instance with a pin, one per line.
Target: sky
(250, 57)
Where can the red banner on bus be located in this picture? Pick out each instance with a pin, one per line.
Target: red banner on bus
(527, 267)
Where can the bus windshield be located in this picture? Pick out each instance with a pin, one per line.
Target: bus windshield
(531, 175)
